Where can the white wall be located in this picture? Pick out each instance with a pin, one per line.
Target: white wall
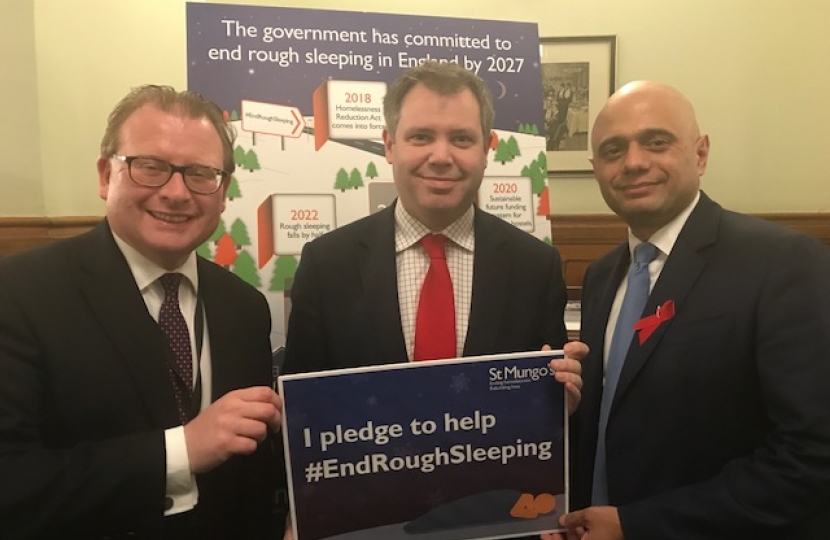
(757, 71)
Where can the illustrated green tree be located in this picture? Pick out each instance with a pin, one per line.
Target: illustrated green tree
(204, 251)
(533, 129)
(284, 269)
(538, 179)
(527, 170)
(239, 233)
(513, 146)
(503, 154)
(239, 156)
(217, 234)
(251, 161)
(355, 179)
(371, 170)
(542, 158)
(233, 189)
(234, 116)
(245, 268)
(342, 180)
(522, 128)
(538, 175)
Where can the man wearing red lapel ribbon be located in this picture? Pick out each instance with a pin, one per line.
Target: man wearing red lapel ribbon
(718, 423)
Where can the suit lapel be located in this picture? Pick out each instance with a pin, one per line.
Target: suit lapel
(221, 346)
(493, 262)
(378, 274)
(682, 268)
(112, 294)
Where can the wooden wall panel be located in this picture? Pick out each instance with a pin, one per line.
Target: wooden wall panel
(583, 238)
(580, 238)
(22, 233)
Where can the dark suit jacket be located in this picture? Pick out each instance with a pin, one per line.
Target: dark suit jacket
(85, 395)
(345, 310)
(720, 426)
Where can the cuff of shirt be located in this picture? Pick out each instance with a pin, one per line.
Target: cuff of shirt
(181, 491)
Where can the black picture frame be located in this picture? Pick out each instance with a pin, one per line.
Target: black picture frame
(578, 75)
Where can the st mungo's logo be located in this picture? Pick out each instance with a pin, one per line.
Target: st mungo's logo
(511, 377)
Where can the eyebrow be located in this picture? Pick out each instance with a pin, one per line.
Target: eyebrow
(469, 132)
(644, 135)
(414, 130)
(655, 132)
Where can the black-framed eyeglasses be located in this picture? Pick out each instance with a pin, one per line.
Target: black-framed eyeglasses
(154, 172)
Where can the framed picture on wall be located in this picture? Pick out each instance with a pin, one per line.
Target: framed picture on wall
(578, 75)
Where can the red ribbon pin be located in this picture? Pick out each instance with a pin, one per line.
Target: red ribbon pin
(647, 325)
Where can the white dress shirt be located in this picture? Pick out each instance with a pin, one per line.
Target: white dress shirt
(412, 264)
(664, 240)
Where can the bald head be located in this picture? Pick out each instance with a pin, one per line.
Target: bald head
(640, 97)
(648, 154)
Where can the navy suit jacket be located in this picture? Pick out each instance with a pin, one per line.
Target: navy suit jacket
(85, 396)
(720, 426)
(344, 299)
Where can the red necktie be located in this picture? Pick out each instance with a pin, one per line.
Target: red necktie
(174, 326)
(435, 325)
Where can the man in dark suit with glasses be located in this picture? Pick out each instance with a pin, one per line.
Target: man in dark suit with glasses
(135, 395)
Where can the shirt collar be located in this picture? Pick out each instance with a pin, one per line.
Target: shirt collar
(409, 231)
(665, 237)
(146, 272)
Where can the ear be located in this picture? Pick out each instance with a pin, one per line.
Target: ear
(224, 191)
(104, 172)
(387, 145)
(702, 152)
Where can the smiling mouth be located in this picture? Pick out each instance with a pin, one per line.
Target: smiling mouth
(439, 179)
(639, 185)
(169, 218)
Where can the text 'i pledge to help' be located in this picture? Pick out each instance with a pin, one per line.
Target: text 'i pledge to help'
(381, 434)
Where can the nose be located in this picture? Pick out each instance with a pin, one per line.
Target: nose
(441, 153)
(175, 188)
(636, 159)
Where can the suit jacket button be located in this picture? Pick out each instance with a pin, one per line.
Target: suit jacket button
(168, 503)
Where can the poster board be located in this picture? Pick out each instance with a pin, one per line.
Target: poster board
(458, 449)
(303, 88)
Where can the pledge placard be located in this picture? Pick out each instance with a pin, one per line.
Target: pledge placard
(470, 448)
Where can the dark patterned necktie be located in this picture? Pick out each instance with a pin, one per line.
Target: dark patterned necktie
(174, 327)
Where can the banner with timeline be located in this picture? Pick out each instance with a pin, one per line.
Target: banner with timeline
(304, 90)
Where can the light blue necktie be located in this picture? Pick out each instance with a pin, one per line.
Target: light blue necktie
(634, 301)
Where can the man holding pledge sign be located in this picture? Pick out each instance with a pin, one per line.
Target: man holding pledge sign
(357, 297)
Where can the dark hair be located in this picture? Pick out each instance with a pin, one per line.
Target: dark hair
(446, 79)
(167, 99)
